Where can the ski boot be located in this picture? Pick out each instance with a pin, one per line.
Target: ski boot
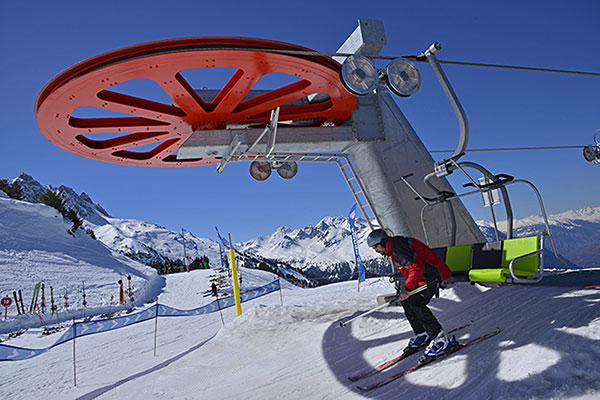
(416, 343)
(436, 347)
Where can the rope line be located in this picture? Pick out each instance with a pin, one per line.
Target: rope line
(422, 59)
(537, 69)
(514, 148)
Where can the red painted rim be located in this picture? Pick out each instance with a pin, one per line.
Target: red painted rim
(150, 133)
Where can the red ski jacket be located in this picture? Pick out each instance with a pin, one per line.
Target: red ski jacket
(416, 261)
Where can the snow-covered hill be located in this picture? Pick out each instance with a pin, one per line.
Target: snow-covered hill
(547, 349)
(36, 247)
(139, 240)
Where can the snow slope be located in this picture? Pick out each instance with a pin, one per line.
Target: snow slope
(548, 348)
(35, 246)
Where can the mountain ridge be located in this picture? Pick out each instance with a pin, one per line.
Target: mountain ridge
(322, 251)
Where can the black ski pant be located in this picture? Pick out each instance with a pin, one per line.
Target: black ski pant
(419, 316)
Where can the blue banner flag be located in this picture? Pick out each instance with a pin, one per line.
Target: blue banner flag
(223, 241)
(361, 267)
(222, 247)
(196, 247)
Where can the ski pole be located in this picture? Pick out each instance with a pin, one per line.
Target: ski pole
(17, 302)
(417, 290)
(369, 312)
(220, 312)
(21, 299)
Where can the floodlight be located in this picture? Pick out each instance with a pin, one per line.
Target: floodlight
(260, 170)
(402, 77)
(287, 169)
(358, 75)
(591, 152)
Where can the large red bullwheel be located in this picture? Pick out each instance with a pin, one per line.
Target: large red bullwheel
(150, 133)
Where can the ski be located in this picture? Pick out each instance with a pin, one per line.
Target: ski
(449, 352)
(388, 363)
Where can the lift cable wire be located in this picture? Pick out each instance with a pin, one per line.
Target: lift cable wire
(559, 71)
(423, 59)
(514, 148)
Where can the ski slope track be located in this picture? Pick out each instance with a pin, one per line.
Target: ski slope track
(549, 346)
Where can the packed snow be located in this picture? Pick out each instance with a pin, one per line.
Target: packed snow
(548, 347)
(286, 344)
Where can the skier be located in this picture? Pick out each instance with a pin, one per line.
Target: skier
(421, 266)
(213, 289)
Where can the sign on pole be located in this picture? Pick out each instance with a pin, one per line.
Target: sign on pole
(6, 302)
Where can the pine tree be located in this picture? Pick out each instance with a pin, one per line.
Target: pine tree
(55, 200)
(13, 191)
(74, 218)
(52, 199)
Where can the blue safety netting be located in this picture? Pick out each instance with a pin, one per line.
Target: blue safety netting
(78, 329)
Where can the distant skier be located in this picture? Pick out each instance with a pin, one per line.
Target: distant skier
(213, 289)
(421, 266)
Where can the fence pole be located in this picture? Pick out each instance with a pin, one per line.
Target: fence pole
(74, 365)
(220, 312)
(155, 325)
(280, 295)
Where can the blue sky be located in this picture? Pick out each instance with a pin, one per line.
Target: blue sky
(505, 108)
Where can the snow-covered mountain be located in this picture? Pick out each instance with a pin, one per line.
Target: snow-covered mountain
(315, 254)
(556, 323)
(576, 233)
(323, 252)
(82, 204)
(139, 240)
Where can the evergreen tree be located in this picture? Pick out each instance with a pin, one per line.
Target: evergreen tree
(91, 233)
(13, 191)
(55, 200)
(52, 199)
(74, 218)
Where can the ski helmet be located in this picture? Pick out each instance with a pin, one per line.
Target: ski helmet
(376, 237)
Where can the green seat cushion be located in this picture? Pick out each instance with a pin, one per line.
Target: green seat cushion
(458, 258)
(514, 248)
(487, 275)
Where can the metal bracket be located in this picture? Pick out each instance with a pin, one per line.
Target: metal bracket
(452, 97)
(235, 144)
(271, 129)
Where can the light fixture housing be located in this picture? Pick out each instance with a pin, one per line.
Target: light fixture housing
(287, 169)
(358, 75)
(591, 153)
(402, 77)
(260, 170)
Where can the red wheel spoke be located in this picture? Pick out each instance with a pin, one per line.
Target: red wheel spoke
(273, 99)
(123, 142)
(117, 125)
(184, 96)
(304, 111)
(161, 151)
(233, 92)
(139, 107)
